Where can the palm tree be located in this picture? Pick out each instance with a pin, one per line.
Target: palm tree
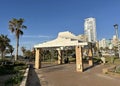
(23, 50)
(16, 26)
(10, 49)
(4, 42)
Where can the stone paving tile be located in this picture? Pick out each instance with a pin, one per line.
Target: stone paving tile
(66, 75)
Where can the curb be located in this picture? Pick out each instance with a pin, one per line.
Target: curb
(24, 81)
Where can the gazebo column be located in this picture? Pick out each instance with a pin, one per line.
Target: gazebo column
(79, 62)
(59, 56)
(90, 54)
(37, 59)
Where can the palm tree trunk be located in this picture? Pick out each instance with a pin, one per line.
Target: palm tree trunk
(17, 45)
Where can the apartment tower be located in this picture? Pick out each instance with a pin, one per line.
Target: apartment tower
(90, 29)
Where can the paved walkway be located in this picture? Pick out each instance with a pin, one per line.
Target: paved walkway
(65, 75)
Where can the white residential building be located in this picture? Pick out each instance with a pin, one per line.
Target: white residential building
(102, 43)
(114, 40)
(90, 29)
(105, 43)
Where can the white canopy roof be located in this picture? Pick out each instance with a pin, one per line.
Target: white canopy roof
(64, 39)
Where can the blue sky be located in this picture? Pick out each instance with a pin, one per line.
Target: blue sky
(45, 18)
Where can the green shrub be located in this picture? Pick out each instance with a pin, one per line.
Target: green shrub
(15, 70)
(96, 60)
(19, 67)
(19, 63)
(7, 70)
(12, 69)
(14, 80)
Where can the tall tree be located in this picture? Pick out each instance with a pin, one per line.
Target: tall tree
(4, 42)
(16, 26)
(10, 49)
(28, 53)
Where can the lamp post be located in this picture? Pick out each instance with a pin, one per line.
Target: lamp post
(117, 37)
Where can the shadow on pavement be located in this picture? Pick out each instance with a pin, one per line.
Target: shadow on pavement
(33, 79)
(52, 68)
(87, 68)
(90, 67)
(49, 65)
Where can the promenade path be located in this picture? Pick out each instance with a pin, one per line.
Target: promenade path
(66, 75)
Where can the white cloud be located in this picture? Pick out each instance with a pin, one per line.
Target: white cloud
(31, 36)
(42, 36)
(35, 36)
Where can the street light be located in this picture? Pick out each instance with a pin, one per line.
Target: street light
(116, 32)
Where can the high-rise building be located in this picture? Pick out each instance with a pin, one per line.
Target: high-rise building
(90, 29)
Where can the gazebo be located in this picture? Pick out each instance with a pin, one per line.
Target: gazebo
(64, 39)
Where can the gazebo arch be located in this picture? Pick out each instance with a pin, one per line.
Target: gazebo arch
(64, 39)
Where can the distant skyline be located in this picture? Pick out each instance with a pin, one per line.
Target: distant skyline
(46, 18)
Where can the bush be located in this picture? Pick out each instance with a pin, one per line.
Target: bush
(20, 67)
(18, 75)
(19, 64)
(14, 80)
(7, 70)
(97, 60)
(12, 69)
